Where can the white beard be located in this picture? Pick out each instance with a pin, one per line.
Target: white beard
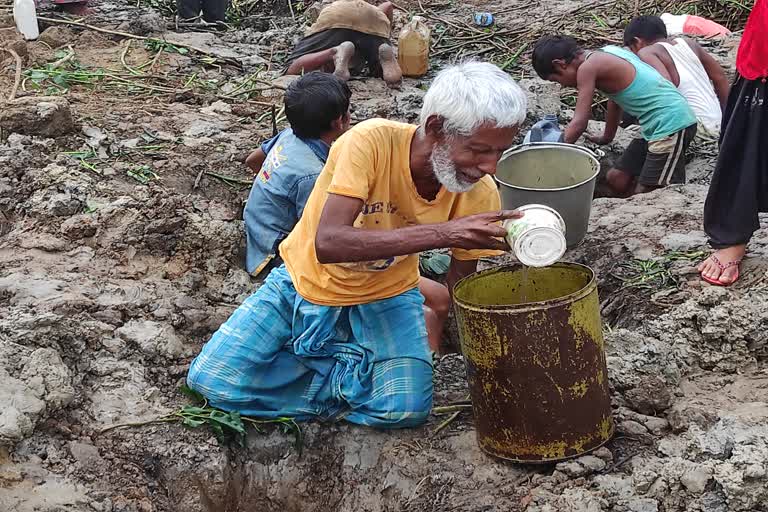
(446, 171)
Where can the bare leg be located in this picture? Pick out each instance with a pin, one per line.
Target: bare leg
(437, 304)
(318, 61)
(345, 52)
(390, 68)
(620, 182)
(710, 269)
(389, 10)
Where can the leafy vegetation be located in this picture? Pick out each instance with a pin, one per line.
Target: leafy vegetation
(227, 427)
(653, 274)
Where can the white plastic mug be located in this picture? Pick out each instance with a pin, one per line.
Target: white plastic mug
(538, 238)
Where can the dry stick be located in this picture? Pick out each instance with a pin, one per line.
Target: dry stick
(17, 78)
(445, 424)
(65, 59)
(123, 55)
(444, 21)
(197, 180)
(121, 34)
(451, 408)
(274, 121)
(290, 7)
(162, 419)
(154, 61)
(228, 179)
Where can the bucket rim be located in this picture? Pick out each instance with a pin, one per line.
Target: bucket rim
(549, 145)
(528, 306)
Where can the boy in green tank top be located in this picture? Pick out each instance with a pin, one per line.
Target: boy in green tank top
(668, 124)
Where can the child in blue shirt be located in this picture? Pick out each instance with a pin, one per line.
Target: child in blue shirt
(287, 165)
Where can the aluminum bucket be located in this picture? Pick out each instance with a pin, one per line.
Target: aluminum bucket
(561, 176)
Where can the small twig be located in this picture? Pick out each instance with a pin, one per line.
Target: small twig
(17, 78)
(445, 424)
(123, 55)
(155, 60)
(451, 408)
(274, 121)
(290, 7)
(160, 419)
(228, 179)
(197, 180)
(68, 57)
(513, 59)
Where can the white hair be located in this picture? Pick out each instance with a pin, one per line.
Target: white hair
(470, 94)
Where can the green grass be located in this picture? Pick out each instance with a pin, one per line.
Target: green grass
(653, 274)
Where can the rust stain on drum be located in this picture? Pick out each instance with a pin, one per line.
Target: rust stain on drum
(533, 346)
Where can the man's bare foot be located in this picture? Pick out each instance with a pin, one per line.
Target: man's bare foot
(721, 267)
(343, 56)
(390, 69)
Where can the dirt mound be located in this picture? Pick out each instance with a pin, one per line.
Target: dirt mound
(121, 253)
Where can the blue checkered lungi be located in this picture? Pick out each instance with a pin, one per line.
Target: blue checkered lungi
(279, 355)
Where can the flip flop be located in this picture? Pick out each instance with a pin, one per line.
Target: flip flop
(723, 268)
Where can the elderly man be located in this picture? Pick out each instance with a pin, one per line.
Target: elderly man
(339, 330)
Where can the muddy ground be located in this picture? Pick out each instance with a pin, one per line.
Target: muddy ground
(121, 250)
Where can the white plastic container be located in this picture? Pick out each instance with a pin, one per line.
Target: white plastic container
(25, 15)
(538, 238)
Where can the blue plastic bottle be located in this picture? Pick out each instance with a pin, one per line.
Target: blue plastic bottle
(546, 130)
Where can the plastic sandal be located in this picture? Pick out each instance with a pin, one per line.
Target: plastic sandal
(723, 268)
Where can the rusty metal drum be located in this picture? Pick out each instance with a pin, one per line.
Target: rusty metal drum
(533, 345)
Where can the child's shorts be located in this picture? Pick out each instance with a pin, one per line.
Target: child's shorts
(366, 48)
(660, 162)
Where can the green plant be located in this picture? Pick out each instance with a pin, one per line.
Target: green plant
(155, 45)
(61, 80)
(143, 174)
(653, 274)
(85, 158)
(226, 426)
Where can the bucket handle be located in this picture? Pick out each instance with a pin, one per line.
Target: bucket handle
(597, 152)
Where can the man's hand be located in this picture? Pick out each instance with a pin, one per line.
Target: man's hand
(338, 241)
(481, 231)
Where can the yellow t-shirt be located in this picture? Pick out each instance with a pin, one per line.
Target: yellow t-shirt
(372, 162)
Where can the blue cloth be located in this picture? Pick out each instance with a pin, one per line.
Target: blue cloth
(657, 104)
(279, 355)
(279, 193)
